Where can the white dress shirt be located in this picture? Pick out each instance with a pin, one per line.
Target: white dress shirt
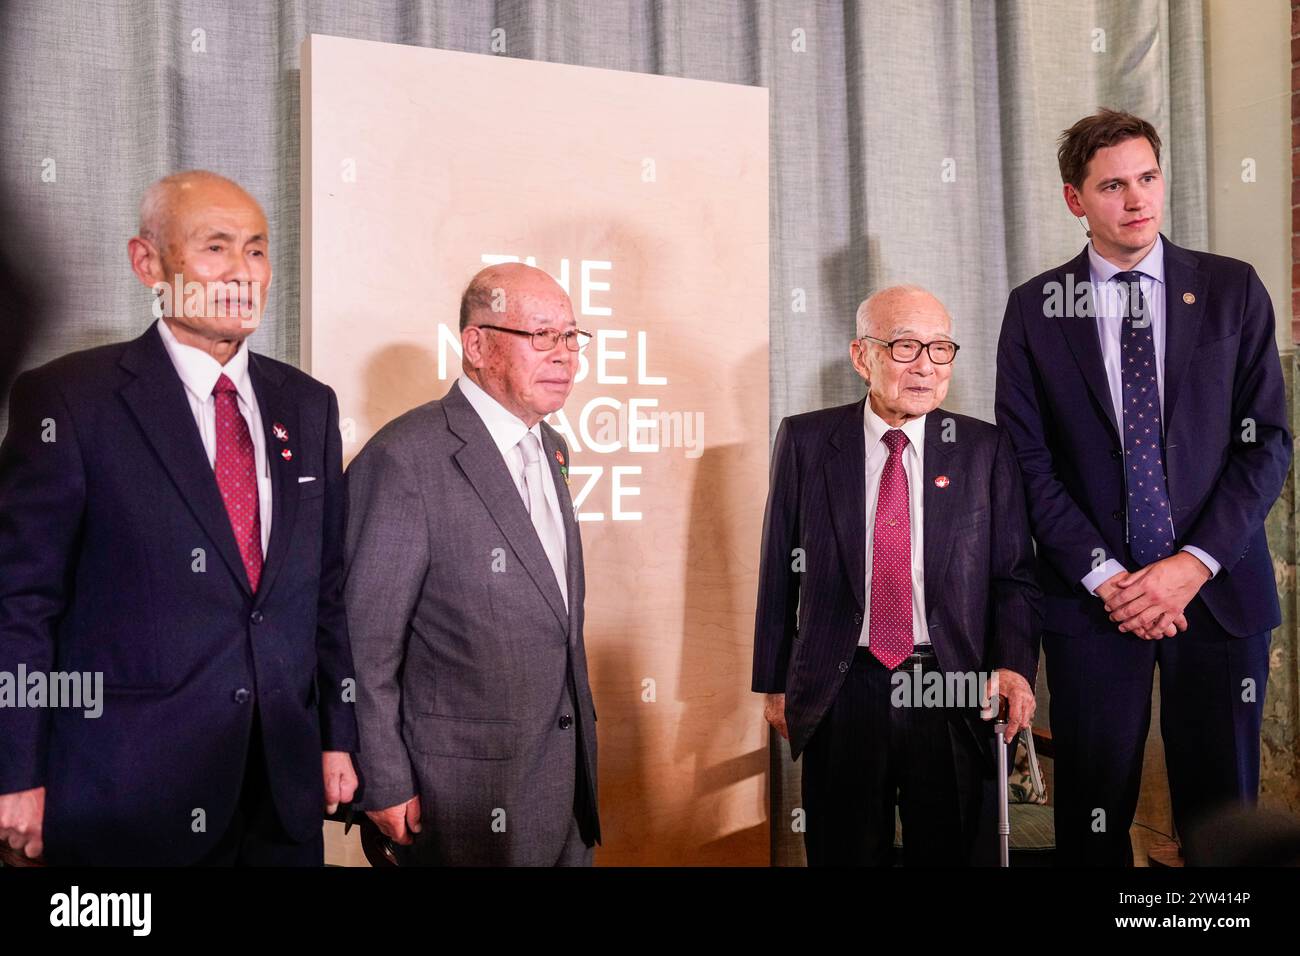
(199, 372)
(877, 453)
(506, 430)
(1111, 302)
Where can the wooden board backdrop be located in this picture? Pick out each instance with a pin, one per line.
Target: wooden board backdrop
(646, 197)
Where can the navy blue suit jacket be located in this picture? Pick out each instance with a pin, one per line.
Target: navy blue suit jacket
(100, 570)
(981, 598)
(1227, 442)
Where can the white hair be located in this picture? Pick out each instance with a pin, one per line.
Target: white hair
(156, 201)
(872, 304)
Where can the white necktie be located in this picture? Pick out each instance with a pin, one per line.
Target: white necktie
(549, 527)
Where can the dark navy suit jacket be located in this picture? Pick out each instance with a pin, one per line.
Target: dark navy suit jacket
(1227, 442)
(101, 570)
(981, 599)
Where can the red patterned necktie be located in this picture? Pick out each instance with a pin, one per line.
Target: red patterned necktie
(236, 470)
(889, 635)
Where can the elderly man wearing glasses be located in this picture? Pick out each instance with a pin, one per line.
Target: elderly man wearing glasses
(465, 592)
(897, 597)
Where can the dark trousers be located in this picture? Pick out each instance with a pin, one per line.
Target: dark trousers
(255, 836)
(1100, 688)
(866, 756)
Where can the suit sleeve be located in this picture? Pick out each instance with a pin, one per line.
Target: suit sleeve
(1256, 469)
(1014, 592)
(1066, 537)
(42, 500)
(387, 560)
(776, 618)
(338, 723)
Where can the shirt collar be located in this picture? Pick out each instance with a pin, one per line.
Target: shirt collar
(199, 371)
(1152, 264)
(877, 426)
(503, 425)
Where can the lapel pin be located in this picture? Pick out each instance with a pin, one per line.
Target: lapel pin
(280, 432)
(1189, 298)
(564, 469)
(287, 455)
(941, 481)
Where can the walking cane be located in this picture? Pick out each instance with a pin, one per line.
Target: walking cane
(1004, 811)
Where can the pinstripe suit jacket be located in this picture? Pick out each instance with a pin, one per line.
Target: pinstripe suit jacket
(981, 597)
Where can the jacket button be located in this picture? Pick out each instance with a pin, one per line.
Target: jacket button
(1117, 514)
(1116, 454)
(256, 617)
(857, 619)
(566, 721)
(242, 695)
(843, 666)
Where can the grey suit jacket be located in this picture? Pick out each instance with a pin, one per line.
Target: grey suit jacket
(467, 663)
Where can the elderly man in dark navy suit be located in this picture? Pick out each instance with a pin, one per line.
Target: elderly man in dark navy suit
(896, 558)
(1141, 386)
(171, 518)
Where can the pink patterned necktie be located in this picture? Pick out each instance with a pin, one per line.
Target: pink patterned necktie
(236, 470)
(889, 636)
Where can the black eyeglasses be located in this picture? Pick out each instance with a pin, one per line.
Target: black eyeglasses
(544, 339)
(941, 352)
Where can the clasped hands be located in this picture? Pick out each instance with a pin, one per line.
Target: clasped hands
(1150, 602)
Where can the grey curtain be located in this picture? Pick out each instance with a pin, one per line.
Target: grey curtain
(912, 140)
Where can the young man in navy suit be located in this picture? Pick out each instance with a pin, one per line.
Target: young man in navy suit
(1141, 386)
(171, 523)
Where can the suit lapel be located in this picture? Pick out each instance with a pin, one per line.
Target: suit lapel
(939, 503)
(158, 401)
(1079, 326)
(276, 409)
(846, 491)
(1182, 320)
(572, 538)
(483, 465)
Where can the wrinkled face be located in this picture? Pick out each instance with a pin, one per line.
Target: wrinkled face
(215, 239)
(529, 383)
(1123, 196)
(900, 391)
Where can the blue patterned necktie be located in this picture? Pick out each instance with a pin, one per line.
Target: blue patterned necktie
(1150, 525)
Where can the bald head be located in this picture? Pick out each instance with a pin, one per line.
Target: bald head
(901, 389)
(170, 197)
(204, 250)
(487, 297)
(885, 314)
(502, 307)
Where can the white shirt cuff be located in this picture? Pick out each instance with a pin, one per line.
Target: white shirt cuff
(1206, 560)
(1101, 575)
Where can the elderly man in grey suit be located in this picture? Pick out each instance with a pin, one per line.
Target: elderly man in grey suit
(464, 595)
